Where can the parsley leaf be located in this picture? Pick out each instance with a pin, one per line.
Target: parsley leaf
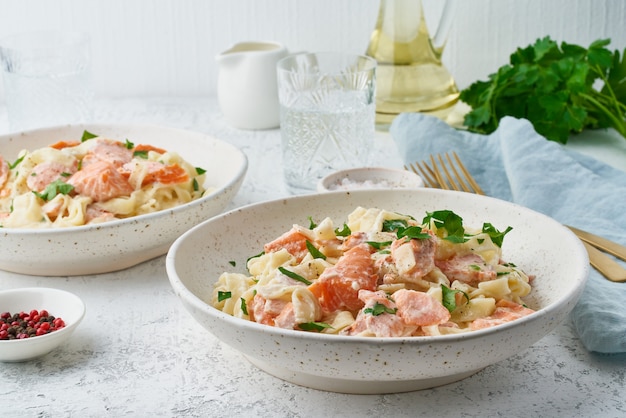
(412, 232)
(448, 298)
(496, 236)
(344, 232)
(394, 224)
(293, 275)
(54, 188)
(379, 309)
(555, 87)
(19, 160)
(313, 326)
(449, 222)
(223, 295)
(87, 135)
(314, 251)
(379, 245)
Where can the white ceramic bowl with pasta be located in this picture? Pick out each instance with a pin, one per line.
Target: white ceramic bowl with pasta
(120, 243)
(537, 244)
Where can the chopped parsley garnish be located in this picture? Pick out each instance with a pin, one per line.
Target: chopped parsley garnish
(497, 237)
(314, 251)
(293, 275)
(128, 144)
(314, 326)
(19, 160)
(379, 309)
(394, 224)
(378, 245)
(413, 232)
(221, 296)
(232, 263)
(200, 171)
(450, 222)
(312, 224)
(195, 185)
(244, 306)
(448, 298)
(255, 256)
(141, 154)
(54, 188)
(344, 232)
(87, 135)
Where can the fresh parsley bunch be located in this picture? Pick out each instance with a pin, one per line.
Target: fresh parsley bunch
(560, 90)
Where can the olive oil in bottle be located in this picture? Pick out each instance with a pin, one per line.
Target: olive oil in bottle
(410, 76)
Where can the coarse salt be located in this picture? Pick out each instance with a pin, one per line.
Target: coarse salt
(348, 184)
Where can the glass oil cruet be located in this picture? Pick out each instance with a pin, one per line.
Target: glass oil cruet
(410, 76)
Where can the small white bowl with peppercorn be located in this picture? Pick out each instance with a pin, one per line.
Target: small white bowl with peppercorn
(35, 321)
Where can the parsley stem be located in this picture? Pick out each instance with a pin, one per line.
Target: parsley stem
(617, 123)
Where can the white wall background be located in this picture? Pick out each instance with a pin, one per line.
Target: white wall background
(158, 48)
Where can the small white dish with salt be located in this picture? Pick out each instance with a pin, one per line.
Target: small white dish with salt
(370, 178)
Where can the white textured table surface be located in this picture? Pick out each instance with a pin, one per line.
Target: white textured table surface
(139, 353)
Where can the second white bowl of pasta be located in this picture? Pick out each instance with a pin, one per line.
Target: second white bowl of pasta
(89, 199)
(378, 291)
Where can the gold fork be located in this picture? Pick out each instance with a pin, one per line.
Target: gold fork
(451, 174)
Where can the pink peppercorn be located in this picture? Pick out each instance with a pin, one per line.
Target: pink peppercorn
(26, 325)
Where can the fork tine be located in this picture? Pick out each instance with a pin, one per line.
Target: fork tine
(437, 172)
(468, 176)
(437, 175)
(458, 177)
(455, 181)
(425, 172)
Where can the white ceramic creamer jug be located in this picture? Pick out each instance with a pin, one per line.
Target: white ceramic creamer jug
(246, 84)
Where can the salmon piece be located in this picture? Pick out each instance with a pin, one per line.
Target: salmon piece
(414, 258)
(506, 311)
(468, 268)
(264, 311)
(338, 286)
(95, 215)
(287, 317)
(146, 148)
(166, 174)
(52, 209)
(386, 324)
(5, 170)
(109, 150)
(100, 181)
(292, 241)
(409, 260)
(46, 172)
(418, 308)
(354, 239)
(64, 144)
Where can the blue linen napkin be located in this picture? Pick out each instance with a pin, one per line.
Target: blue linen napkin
(516, 164)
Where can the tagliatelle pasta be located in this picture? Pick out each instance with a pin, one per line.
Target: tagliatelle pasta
(380, 274)
(92, 181)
